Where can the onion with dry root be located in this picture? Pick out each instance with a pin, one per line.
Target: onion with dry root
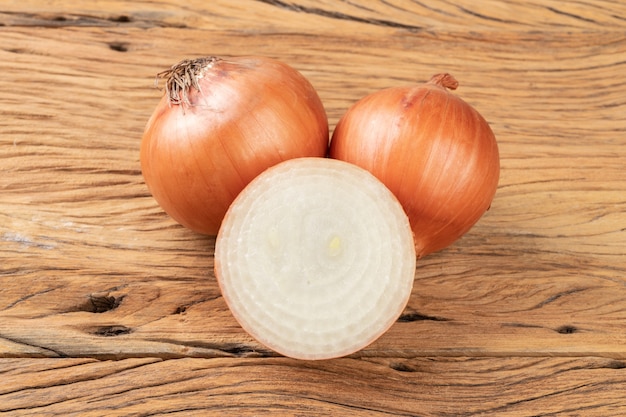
(315, 258)
(220, 124)
(433, 150)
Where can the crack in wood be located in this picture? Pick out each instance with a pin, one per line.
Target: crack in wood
(415, 316)
(29, 296)
(111, 331)
(341, 16)
(55, 353)
(239, 350)
(55, 20)
(567, 329)
(401, 367)
(119, 46)
(572, 15)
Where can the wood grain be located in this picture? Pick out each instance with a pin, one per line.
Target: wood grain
(424, 386)
(102, 292)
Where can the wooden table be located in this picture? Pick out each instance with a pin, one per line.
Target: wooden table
(108, 307)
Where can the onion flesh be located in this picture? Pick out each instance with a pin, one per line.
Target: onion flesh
(315, 258)
(433, 150)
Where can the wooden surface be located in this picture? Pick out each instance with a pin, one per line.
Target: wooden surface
(108, 307)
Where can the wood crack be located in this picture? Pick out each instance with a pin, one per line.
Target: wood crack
(557, 296)
(342, 16)
(415, 316)
(238, 350)
(55, 353)
(64, 20)
(29, 296)
(540, 397)
(572, 15)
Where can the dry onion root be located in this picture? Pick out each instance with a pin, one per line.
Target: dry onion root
(315, 258)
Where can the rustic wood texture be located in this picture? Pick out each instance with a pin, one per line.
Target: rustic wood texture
(108, 307)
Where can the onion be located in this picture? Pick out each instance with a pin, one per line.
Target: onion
(315, 258)
(220, 124)
(434, 151)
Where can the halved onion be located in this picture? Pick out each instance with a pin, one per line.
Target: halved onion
(315, 258)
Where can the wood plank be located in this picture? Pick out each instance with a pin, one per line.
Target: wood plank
(237, 387)
(108, 307)
(542, 273)
(434, 17)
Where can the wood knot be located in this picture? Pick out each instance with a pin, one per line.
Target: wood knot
(119, 46)
(401, 367)
(102, 303)
(567, 329)
(109, 331)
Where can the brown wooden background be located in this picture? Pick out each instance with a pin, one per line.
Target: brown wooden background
(108, 307)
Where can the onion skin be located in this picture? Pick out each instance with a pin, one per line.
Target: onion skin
(205, 143)
(433, 150)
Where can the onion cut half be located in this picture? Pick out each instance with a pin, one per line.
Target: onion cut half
(315, 258)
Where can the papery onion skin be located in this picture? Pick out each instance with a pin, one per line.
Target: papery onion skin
(201, 148)
(433, 150)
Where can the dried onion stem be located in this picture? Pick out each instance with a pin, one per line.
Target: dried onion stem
(181, 77)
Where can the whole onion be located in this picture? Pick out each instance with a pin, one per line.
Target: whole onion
(220, 124)
(433, 150)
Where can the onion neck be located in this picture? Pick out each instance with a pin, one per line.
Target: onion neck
(444, 80)
(181, 77)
